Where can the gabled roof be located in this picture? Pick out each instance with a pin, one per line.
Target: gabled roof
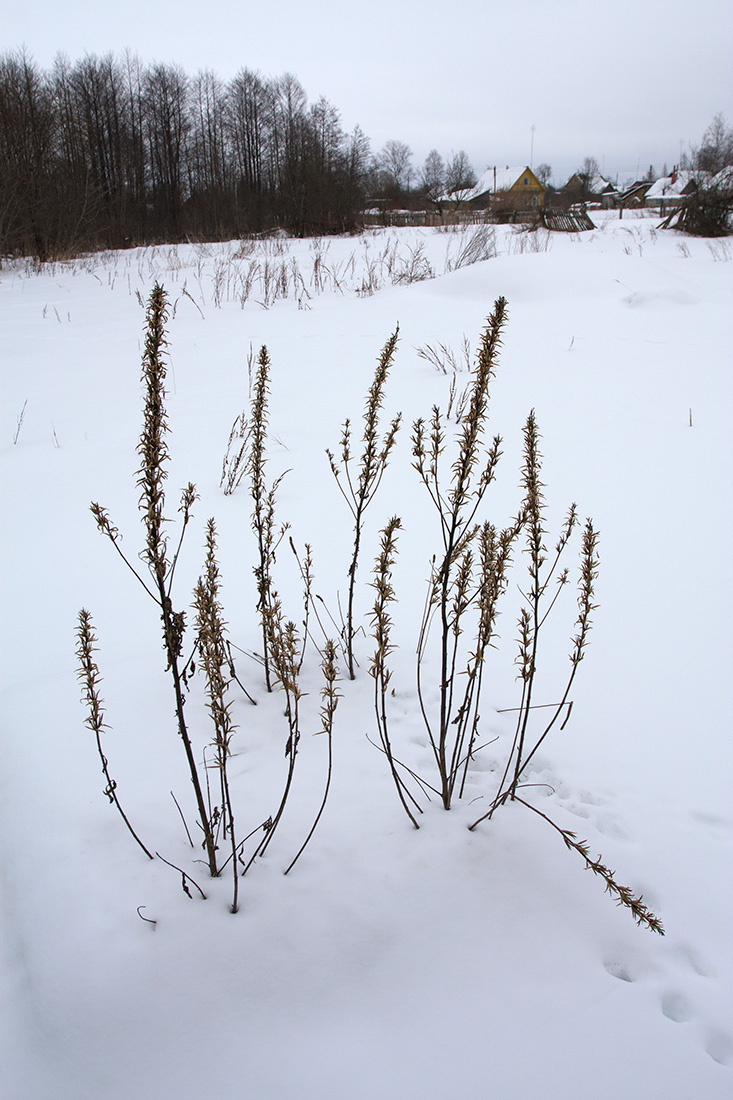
(596, 185)
(638, 188)
(724, 178)
(499, 179)
(599, 185)
(671, 187)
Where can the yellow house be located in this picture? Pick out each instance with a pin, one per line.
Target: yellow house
(504, 189)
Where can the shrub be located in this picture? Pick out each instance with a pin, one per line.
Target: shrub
(469, 574)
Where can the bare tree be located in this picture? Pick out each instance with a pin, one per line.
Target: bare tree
(708, 209)
(359, 159)
(106, 153)
(168, 125)
(98, 95)
(715, 151)
(543, 173)
(29, 204)
(459, 174)
(249, 114)
(135, 151)
(585, 175)
(394, 164)
(208, 161)
(432, 175)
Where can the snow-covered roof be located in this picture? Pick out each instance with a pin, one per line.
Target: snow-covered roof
(669, 187)
(724, 178)
(493, 179)
(456, 196)
(596, 184)
(599, 184)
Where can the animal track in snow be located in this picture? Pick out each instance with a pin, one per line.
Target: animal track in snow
(622, 971)
(712, 819)
(694, 960)
(719, 1046)
(593, 808)
(676, 1007)
(593, 799)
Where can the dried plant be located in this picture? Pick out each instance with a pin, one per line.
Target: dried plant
(330, 697)
(624, 896)
(457, 401)
(445, 360)
(314, 604)
(306, 572)
(152, 450)
(381, 628)
(19, 424)
(213, 650)
(413, 268)
(283, 646)
(263, 516)
(234, 464)
(539, 600)
(474, 246)
(494, 559)
(359, 489)
(89, 675)
(469, 573)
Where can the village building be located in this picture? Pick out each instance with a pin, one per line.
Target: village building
(633, 196)
(670, 191)
(595, 189)
(501, 191)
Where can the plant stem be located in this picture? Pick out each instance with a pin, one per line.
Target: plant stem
(89, 675)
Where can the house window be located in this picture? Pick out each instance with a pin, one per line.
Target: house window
(526, 181)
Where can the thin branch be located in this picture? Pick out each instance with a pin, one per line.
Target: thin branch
(185, 878)
(185, 826)
(624, 896)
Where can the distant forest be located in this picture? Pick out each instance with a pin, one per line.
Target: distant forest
(109, 153)
(106, 152)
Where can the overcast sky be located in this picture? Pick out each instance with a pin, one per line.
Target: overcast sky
(629, 83)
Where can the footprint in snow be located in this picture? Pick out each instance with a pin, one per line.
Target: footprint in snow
(694, 960)
(676, 1007)
(717, 1043)
(592, 808)
(619, 970)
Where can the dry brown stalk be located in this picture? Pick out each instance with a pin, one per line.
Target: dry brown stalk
(538, 605)
(89, 675)
(359, 491)
(330, 697)
(263, 516)
(153, 453)
(283, 646)
(624, 896)
(454, 587)
(213, 649)
(381, 628)
(234, 463)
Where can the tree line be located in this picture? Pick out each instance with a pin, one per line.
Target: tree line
(107, 152)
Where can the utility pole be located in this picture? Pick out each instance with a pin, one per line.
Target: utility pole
(531, 147)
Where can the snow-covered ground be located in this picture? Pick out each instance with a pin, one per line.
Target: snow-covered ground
(390, 962)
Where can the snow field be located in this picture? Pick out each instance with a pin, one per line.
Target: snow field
(390, 962)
